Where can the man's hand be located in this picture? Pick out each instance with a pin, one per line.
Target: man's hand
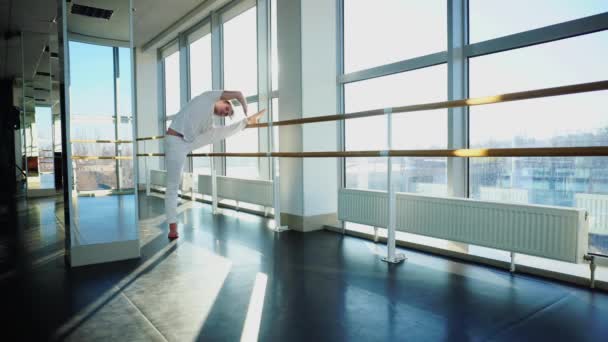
(252, 120)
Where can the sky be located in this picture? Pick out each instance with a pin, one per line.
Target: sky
(393, 30)
(92, 90)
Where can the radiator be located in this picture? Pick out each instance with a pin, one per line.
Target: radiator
(254, 191)
(158, 178)
(550, 232)
(597, 205)
(363, 206)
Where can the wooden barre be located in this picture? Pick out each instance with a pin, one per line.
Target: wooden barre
(590, 151)
(102, 157)
(81, 141)
(524, 95)
(518, 96)
(151, 138)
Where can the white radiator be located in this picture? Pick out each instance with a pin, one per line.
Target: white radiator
(597, 206)
(363, 206)
(158, 178)
(254, 191)
(551, 232)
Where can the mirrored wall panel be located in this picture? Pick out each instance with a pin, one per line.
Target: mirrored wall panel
(39, 128)
(99, 105)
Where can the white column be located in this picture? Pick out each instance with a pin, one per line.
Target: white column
(457, 89)
(458, 118)
(290, 103)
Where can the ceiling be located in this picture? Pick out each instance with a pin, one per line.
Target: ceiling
(154, 16)
(33, 23)
(116, 28)
(33, 17)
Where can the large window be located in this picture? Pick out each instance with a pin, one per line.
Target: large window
(240, 73)
(199, 48)
(171, 83)
(124, 118)
(418, 130)
(495, 18)
(246, 141)
(200, 63)
(92, 114)
(274, 50)
(240, 53)
(397, 31)
(392, 30)
(43, 127)
(572, 120)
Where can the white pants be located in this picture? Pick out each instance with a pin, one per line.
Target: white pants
(176, 150)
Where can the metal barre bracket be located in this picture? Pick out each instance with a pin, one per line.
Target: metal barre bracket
(399, 257)
(592, 267)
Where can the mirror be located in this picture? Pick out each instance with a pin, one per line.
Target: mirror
(38, 118)
(98, 91)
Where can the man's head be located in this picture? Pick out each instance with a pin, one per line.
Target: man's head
(223, 108)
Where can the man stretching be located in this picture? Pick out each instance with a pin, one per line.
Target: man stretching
(192, 128)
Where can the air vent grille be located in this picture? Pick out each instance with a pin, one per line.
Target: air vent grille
(93, 12)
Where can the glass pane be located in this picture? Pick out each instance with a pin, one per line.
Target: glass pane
(124, 82)
(202, 165)
(92, 111)
(571, 120)
(240, 56)
(245, 141)
(275, 117)
(91, 80)
(490, 19)
(200, 66)
(172, 89)
(419, 130)
(274, 51)
(44, 143)
(392, 30)
(125, 128)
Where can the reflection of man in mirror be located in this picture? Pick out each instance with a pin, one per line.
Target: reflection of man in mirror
(192, 128)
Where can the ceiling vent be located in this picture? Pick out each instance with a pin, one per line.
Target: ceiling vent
(93, 12)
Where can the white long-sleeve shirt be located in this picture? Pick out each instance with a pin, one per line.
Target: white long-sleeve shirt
(196, 119)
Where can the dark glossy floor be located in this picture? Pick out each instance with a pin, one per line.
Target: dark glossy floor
(229, 278)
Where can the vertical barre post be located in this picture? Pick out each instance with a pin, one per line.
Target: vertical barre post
(146, 171)
(213, 187)
(192, 179)
(391, 256)
(276, 181)
(512, 266)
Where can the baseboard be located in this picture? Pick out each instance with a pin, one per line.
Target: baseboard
(523, 269)
(81, 255)
(308, 223)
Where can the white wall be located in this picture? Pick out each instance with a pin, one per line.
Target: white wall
(307, 56)
(319, 97)
(290, 104)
